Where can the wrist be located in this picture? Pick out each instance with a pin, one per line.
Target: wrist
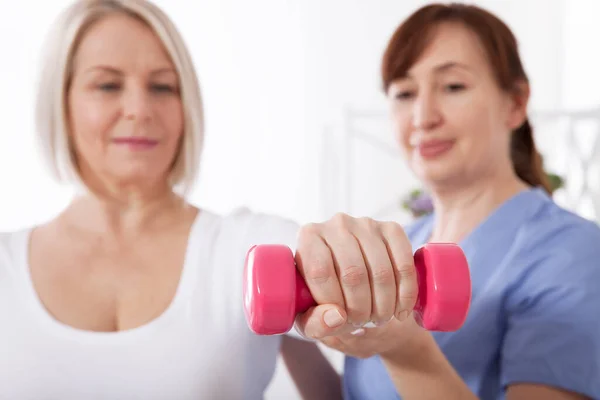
(412, 351)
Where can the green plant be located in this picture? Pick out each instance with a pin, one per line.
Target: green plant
(556, 181)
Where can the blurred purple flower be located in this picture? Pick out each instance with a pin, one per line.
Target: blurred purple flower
(422, 203)
(418, 203)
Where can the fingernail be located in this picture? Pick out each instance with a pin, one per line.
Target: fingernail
(357, 324)
(402, 315)
(383, 322)
(333, 318)
(358, 332)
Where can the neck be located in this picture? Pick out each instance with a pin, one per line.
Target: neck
(460, 210)
(125, 212)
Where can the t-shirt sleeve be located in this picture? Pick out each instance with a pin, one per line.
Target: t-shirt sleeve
(553, 323)
(270, 229)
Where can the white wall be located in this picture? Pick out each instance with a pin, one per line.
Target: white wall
(275, 75)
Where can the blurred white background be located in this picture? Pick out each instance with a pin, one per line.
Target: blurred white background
(279, 79)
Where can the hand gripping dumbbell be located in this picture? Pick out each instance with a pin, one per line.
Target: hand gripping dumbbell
(274, 291)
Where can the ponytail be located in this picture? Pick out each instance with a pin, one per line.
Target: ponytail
(527, 162)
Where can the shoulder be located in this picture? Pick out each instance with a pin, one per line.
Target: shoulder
(249, 227)
(557, 259)
(13, 249)
(556, 236)
(12, 242)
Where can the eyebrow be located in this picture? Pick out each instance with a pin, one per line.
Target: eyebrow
(451, 64)
(117, 71)
(443, 67)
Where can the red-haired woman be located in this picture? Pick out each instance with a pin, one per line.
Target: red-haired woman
(458, 94)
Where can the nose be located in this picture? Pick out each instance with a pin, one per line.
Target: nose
(137, 104)
(426, 114)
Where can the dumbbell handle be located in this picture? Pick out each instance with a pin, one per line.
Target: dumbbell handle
(304, 299)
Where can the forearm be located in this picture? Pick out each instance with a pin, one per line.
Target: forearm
(310, 370)
(427, 375)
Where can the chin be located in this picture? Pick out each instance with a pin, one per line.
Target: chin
(140, 177)
(435, 174)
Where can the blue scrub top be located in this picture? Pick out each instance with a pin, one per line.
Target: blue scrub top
(535, 311)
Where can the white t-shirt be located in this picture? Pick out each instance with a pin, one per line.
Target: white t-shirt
(199, 348)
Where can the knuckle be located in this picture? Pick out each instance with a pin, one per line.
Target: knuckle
(341, 221)
(383, 276)
(311, 229)
(409, 288)
(407, 271)
(315, 333)
(408, 295)
(353, 276)
(369, 224)
(318, 271)
(393, 229)
(340, 217)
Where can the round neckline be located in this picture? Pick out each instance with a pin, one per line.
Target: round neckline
(518, 198)
(186, 282)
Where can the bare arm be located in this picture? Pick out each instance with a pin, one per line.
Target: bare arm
(426, 375)
(430, 376)
(526, 391)
(310, 370)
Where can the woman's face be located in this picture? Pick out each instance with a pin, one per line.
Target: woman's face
(451, 118)
(125, 112)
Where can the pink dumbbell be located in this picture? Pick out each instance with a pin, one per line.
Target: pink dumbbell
(275, 292)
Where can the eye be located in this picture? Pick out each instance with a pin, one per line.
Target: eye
(404, 95)
(455, 87)
(109, 87)
(163, 88)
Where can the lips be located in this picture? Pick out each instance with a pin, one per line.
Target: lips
(135, 142)
(434, 147)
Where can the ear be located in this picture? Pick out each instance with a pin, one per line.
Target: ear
(519, 99)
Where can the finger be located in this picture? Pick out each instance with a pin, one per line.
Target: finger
(322, 321)
(315, 263)
(401, 255)
(351, 270)
(334, 342)
(382, 277)
(359, 344)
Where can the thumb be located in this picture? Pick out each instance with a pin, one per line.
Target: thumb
(321, 321)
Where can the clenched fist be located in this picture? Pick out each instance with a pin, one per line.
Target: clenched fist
(358, 270)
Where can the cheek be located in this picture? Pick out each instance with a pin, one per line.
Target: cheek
(473, 122)
(90, 119)
(402, 126)
(480, 140)
(171, 115)
(173, 123)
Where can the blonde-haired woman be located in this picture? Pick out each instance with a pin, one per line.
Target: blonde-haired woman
(131, 292)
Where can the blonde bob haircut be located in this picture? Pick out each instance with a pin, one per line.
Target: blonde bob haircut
(56, 74)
